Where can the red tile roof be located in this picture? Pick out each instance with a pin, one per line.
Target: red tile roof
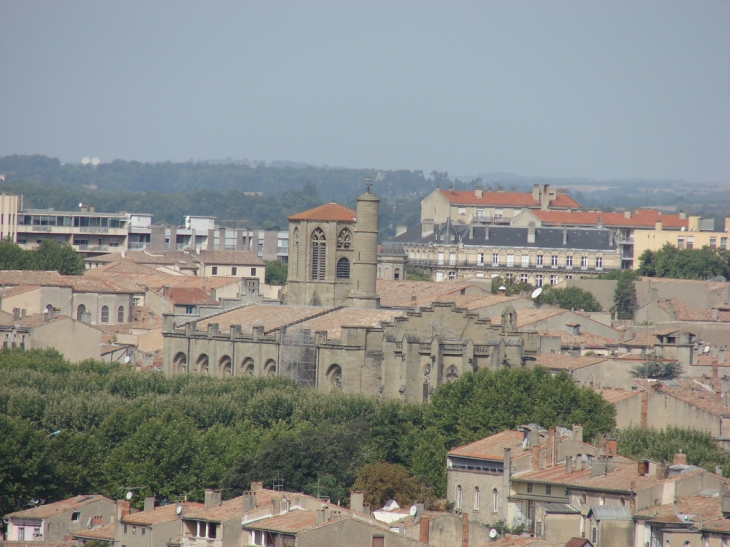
(105, 533)
(492, 447)
(326, 212)
(51, 509)
(507, 199)
(187, 296)
(292, 522)
(641, 218)
(162, 514)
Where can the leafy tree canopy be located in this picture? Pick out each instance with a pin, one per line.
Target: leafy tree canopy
(657, 369)
(417, 274)
(276, 272)
(669, 261)
(570, 298)
(385, 481)
(511, 286)
(49, 256)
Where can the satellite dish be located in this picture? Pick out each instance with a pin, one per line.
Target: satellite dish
(95, 161)
(537, 292)
(178, 509)
(492, 533)
(413, 511)
(127, 359)
(129, 495)
(45, 311)
(81, 204)
(706, 350)
(502, 288)
(85, 160)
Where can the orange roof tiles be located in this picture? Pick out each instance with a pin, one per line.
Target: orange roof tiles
(123, 267)
(233, 508)
(492, 447)
(509, 199)
(166, 513)
(272, 317)
(291, 523)
(616, 395)
(333, 322)
(27, 277)
(234, 258)
(187, 296)
(641, 218)
(566, 362)
(682, 312)
(51, 509)
(585, 339)
(327, 212)
(400, 294)
(104, 533)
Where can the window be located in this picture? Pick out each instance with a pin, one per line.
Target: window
(480, 259)
(723, 243)
(495, 259)
(548, 489)
(498, 214)
(439, 276)
(553, 279)
(189, 309)
(144, 530)
(713, 243)
(680, 242)
(36, 532)
(523, 278)
(495, 501)
(452, 259)
(214, 270)
(440, 258)
(569, 261)
(476, 498)
(480, 214)
(529, 488)
(583, 261)
(319, 254)
(459, 498)
(343, 269)
(452, 275)
(594, 535)
(396, 274)
(125, 528)
(539, 261)
(80, 311)
(105, 314)
(461, 210)
(599, 263)
(538, 281)
(253, 272)
(21, 533)
(134, 530)
(525, 261)
(120, 314)
(554, 261)
(344, 239)
(690, 242)
(234, 270)
(510, 261)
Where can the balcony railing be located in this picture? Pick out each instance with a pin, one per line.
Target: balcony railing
(137, 245)
(420, 263)
(94, 229)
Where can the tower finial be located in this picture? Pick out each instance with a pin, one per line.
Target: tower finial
(368, 184)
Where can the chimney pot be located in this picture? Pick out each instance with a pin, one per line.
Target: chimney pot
(149, 504)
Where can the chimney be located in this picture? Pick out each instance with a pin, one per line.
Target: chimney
(400, 229)
(249, 501)
(679, 458)
(642, 468)
(531, 232)
(356, 501)
(535, 458)
(551, 446)
(568, 464)
(426, 227)
(658, 225)
(23, 312)
(149, 504)
(500, 189)
(16, 313)
(486, 233)
(545, 197)
(326, 513)
(579, 462)
(682, 214)
(478, 192)
(578, 432)
(536, 192)
(423, 536)
(611, 446)
(718, 470)
(256, 486)
(506, 469)
(599, 223)
(275, 506)
(610, 238)
(212, 498)
(627, 213)
(320, 516)
(713, 313)
(122, 509)
(471, 231)
(565, 236)
(661, 471)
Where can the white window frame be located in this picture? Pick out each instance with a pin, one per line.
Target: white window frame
(525, 261)
(540, 260)
(510, 261)
(495, 259)
(452, 259)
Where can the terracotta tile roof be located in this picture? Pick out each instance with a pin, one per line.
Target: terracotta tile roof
(37, 543)
(492, 447)
(349, 317)
(616, 395)
(704, 401)
(578, 542)
(122, 267)
(566, 362)
(52, 509)
(475, 302)
(517, 541)
(33, 321)
(20, 289)
(623, 478)
(179, 259)
(399, 294)
(529, 316)
(293, 522)
(328, 211)
(234, 258)
(233, 508)
(272, 317)
(28, 277)
(682, 312)
(641, 218)
(707, 507)
(583, 339)
(183, 296)
(206, 284)
(165, 513)
(97, 284)
(105, 533)
(507, 199)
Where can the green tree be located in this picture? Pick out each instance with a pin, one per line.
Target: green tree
(657, 369)
(511, 286)
(624, 297)
(383, 481)
(12, 257)
(276, 272)
(417, 274)
(646, 264)
(570, 298)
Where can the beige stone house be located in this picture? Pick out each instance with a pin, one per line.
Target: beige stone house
(154, 526)
(55, 522)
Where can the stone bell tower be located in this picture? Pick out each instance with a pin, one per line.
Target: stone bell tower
(365, 264)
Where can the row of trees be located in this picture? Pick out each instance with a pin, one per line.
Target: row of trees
(49, 256)
(669, 261)
(177, 436)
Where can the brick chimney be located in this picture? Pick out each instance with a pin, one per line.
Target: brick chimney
(423, 535)
(679, 459)
(256, 486)
(122, 509)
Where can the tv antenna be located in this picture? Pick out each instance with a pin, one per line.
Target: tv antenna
(368, 184)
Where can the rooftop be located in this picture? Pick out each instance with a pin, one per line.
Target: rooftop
(104, 533)
(52, 509)
(165, 513)
(183, 296)
(271, 316)
(492, 447)
(401, 294)
(566, 362)
(333, 322)
(641, 218)
(327, 212)
(509, 199)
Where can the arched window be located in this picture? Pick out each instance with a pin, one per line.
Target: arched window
(459, 497)
(343, 269)
(120, 314)
(452, 374)
(319, 254)
(495, 501)
(247, 367)
(334, 377)
(270, 368)
(476, 498)
(105, 314)
(344, 239)
(80, 311)
(180, 362)
(396, 274)
(224, 365)
(202, 363)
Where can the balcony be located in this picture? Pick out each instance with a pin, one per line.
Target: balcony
(93, 229)
(420, 263)
(625, 240)
(139, 245)
(190, 541)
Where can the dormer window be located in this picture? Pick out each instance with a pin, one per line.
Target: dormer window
(75, 515)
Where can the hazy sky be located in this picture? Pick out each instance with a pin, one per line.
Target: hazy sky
(590, 89)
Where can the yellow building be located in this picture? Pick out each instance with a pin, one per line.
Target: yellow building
(692, 238)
